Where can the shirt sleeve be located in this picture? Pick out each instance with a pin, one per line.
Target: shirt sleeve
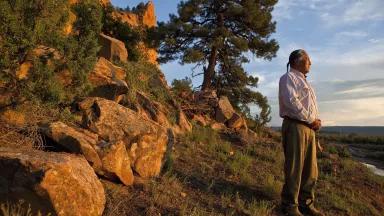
(291, 101)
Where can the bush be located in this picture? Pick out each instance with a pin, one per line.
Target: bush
(146, 77)
(182, 86)
(122, 31)
(26, 24)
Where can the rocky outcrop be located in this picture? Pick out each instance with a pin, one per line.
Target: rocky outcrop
(224, 110)
(116, 162)
(144, 18)
(149, 16)
(57, 183)
(108, 159)
(183, 124)
(145, 140)
(236, 122)
(75, 140)
(112, 49)
(108, 80)
(152, 110)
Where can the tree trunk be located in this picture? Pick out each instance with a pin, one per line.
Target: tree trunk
(210, 71)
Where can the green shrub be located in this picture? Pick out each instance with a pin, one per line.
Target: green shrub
(42, 85)
(81, 49)
(182, 85)
(122, 31)
(26, 24)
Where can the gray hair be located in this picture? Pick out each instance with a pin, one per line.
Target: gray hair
(296, 56)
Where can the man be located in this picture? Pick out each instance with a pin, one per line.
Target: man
(299, 110)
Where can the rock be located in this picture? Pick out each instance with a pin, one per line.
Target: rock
(236, 122)
(183, 125)
(75, 140)
(112, 49)
(116, 162)
(218, 126)
(224, 110)
(23, 71)
(110, 160)
(108, 80)
(13, 117)
(145, 140)
(146, 17)
(199, 119)
(105, 73)
(152, 110)
(149, 16)
(105, 2)
(247, 136)
(57, 183)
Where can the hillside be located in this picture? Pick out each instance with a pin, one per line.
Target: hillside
(212, 174)
(89, 126)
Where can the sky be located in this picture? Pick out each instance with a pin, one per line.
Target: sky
(345, 40)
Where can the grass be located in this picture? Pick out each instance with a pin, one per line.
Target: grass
(146, 78)
(17, 209)
(209, 175)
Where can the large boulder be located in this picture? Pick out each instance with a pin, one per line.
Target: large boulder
(57, 183)
(108, 80)
(236, 122)
(152, 110)
(145, 140)
(112, 49)
(74, 140)
(109, 159)
(116, 162)
(224, 110)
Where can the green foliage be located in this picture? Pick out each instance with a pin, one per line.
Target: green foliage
(131, 36)
(182, 85)
(28, 24)
(42, 84)
(23, 25)
(146, 77)
(216, 35)
(81, 48)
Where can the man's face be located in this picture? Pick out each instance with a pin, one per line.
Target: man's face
(305, 64)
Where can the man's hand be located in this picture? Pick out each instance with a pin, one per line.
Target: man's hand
(316, 125)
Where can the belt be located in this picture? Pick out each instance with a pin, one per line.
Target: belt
(297, 121)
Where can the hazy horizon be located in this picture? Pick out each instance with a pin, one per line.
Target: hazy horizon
(345, 40)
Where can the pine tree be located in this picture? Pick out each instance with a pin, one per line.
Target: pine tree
(217, 35)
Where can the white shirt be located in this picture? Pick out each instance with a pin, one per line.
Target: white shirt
(297, 98)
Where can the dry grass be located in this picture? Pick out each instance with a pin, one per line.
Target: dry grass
(16, 209)
(19, 128)
(212, 176)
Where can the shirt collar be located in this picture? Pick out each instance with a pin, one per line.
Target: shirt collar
(298, 73)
